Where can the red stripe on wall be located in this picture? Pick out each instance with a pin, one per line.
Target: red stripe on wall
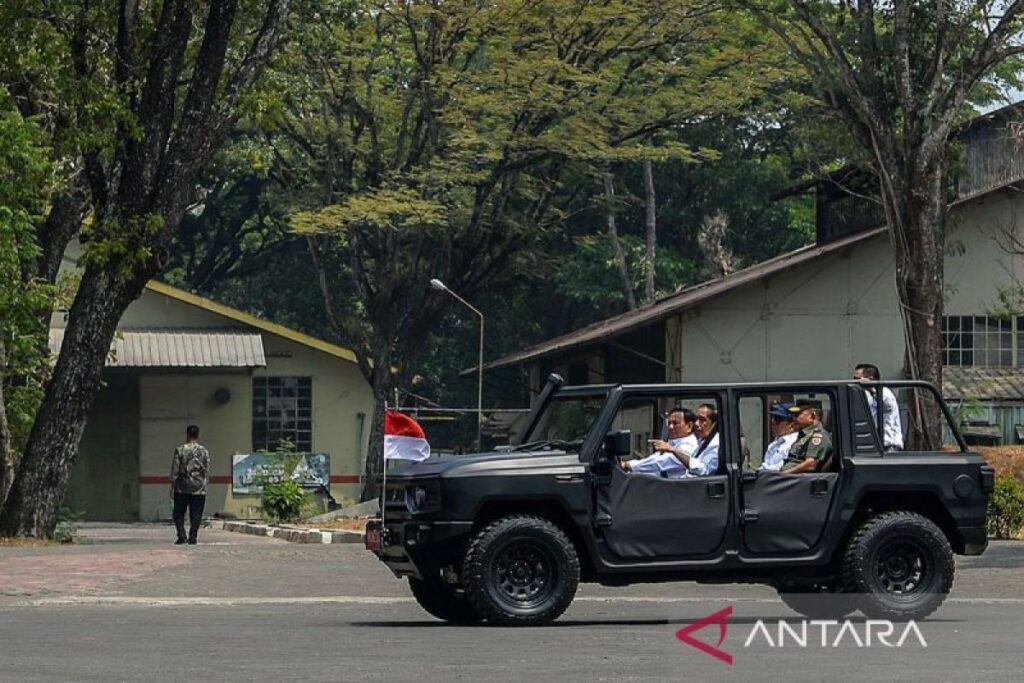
(221, 479)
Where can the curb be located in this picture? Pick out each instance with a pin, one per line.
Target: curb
(293, 534)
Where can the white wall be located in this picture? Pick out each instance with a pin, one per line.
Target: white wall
(810, 322)
(818, 320)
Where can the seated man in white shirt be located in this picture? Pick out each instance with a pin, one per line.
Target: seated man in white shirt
(682, 457)
(892, 427)
(785, 431)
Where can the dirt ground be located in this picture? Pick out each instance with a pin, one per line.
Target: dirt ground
(339, 525)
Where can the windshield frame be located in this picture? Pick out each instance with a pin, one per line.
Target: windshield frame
(601, 391)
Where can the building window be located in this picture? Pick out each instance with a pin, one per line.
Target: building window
(981, 341)
(282, 409)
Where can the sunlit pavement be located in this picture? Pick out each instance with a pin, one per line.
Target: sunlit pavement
(130, 606)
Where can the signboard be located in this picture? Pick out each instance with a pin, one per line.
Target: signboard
(250, 470)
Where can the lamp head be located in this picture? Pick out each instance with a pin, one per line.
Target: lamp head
(438, 285)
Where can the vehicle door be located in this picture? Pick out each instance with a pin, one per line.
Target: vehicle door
(781, 512)
(640, 516)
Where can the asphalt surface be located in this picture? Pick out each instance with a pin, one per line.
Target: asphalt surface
(130, 606)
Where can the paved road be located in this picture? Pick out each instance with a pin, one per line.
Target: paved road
(128, 606)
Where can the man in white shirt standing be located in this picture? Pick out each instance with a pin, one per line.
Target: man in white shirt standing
(784, 429)
(892, 428)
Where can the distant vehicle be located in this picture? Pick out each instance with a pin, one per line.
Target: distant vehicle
(505, 538)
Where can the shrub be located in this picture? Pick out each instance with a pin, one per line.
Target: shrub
(1008, 460)
(282, 501)
(68, 522)
(1006, 509)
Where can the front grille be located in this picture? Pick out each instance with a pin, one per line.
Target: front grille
(394, 497)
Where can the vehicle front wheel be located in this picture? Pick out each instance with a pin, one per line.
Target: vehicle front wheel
(521, 570)
(901, 566)
(443, 600)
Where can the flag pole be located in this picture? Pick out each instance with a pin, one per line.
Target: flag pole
(384, 482)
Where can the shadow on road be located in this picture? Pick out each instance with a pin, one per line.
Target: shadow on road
(575, 623)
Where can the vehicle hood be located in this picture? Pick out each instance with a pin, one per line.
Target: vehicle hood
(494, 463)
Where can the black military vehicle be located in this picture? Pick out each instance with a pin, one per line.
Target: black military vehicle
(506, 537)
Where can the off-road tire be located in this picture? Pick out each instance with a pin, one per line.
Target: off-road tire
(520, 570)
(443, 600)
(899, 565)
(817, 601)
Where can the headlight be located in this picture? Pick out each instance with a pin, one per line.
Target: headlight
(424, 496)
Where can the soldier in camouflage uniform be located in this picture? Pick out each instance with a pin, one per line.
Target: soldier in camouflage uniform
(190, 474)
(812, 447)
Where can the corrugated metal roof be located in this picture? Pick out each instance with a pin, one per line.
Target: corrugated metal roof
(602, 331)
(220, 348)
(251, 320)
(992, 384)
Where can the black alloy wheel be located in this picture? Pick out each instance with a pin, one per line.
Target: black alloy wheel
(521, 570)
(525, 572)
(903, 566)
(900, 565)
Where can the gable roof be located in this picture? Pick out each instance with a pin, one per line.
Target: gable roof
(674, 303)
(251, 320)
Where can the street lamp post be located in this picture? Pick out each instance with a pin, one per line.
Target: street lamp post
(440, 286)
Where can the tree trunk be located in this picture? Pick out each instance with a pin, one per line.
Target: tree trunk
(381, 385)
(651, 232)
(917, 229)
(374, 466)
(6, 449)
(613, 235)
(44, 471)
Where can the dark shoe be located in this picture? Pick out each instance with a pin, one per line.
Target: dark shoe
(192, 541)
(180, 541)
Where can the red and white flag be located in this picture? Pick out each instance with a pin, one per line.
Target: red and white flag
(404, 438)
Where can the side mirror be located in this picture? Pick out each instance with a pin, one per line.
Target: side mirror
(618, 443)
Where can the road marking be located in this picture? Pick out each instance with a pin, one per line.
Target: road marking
(123, 601)
(108, 600)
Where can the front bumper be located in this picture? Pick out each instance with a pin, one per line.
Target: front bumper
(419, 549)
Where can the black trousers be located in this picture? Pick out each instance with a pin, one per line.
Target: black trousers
(195, 505)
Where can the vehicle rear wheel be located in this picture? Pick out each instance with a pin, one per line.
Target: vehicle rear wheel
(817, 600)
(521, 570)
(901, 566)
(443, 600)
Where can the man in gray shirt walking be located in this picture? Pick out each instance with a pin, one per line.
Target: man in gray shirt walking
(190, 474)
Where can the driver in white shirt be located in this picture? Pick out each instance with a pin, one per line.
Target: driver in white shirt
(681, 457)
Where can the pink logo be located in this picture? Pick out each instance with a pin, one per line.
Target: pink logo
(721, 617)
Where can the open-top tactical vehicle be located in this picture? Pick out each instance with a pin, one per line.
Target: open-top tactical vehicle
(505, 537)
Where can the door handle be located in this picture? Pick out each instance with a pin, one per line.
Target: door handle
(716, 489)
(819, 487)
(749, 475)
